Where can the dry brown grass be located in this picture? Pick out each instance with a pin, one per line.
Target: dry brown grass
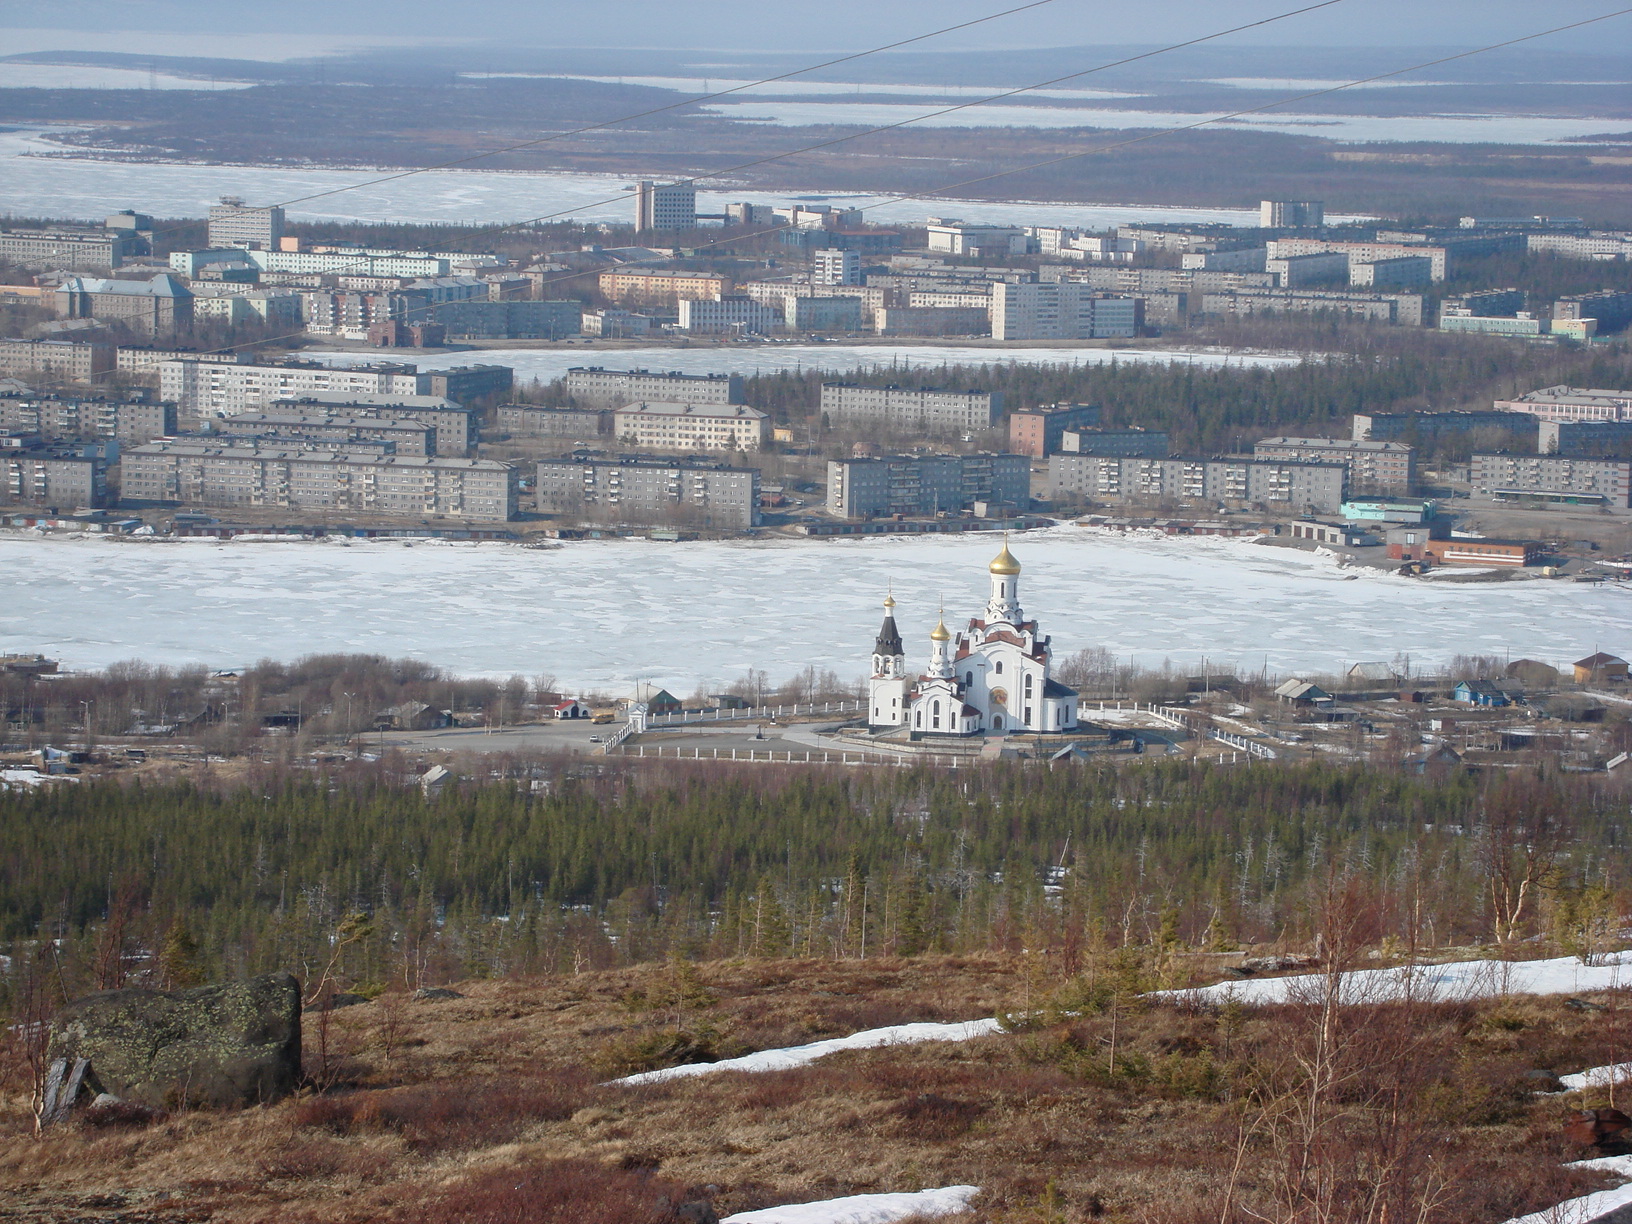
(487, 1102)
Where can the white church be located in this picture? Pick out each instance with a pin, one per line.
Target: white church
(991, 677)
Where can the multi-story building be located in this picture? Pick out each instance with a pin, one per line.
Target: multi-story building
(677, 426)
(932, 321)
(627, 285)
(539, 421)
(80, 361)
(206, 389)
(591, 386)
(1237, 259)
(829, 266)
(823, 314)
(64, 477)
(159, 305)
(1572, 404)
(1401, 272)
(258, 475)
(66, 418)
(1038, 432)
(1603, 245)
(65, 250)
(468, 384)
(1374, 467)
(1553, 480)
(238, 305)
(926, 484)
(729, 314)
(1392, 426)
(144, 360)
(1132, 442)
(1296, 271)
(550, 319)
(917, 409)
(402, 437)
(1291, 214)
(784, 296)
(1612, 308)
(1585, 439)
(670, 206)
(234, 224)
(454, 427)
(962, 238)
(1062, 310)
(1293, 488)
(1404, 308)
(649, 489)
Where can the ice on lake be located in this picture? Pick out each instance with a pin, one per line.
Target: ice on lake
(601, 614)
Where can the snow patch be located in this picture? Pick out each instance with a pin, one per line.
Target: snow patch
(863, 1208)
(1589, 1206)
(800, 1056)
(1598, 1077)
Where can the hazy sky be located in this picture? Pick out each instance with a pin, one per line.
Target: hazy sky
(767, 25)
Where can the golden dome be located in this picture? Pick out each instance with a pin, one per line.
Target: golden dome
(889, 601)
(940, 633)
(1004, 562)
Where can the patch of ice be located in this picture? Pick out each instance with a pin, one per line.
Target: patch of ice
(863, 1208)
(790, 1057)
(1479, 979)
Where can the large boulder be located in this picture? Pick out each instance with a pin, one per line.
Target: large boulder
(231, 1045)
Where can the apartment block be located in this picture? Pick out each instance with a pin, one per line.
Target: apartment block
(234, 224)
(64, 477)
(626, 285)
(1295, 488)
(208, 389)
(56, 360)
(472, 319)
(665, 206)
(1296, 271)
(361, 481)
(925, 484)
(920, 409)
(830, 266)
(1392, 426)
(961, 238)
(1402, 272)
(1553, 480)
(77, 250)
(454, 427)
(1131, 442)
(1601, 245)
(1612, 308)
(678, 426)
(1374, 467)
(159, 305)
(1291, 214)
(1039, 432)
(1062, 310)
(823, 314)
(730, 314)
(539, 421)
(591, 386)
(1583, 438)
(1572, 404)
(1402, 308)
(61, 418)
(932, 321)
(401, 437)
(650, 490)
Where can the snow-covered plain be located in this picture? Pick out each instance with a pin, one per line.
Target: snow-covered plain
(863, 1208)
(602, 614)
(790, 1057)
(1480, 979)
(549, 364)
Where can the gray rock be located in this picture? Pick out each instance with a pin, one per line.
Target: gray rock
(430, 994)
(231, 1045)
(334, 1002)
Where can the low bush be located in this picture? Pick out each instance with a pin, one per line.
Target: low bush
(448, 1115)
(560, 1192)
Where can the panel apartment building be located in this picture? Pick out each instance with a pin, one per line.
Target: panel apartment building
(591, 386)
(1062, 310)
(65, 477)
(202, 389)
(662, 288)
(87, 250)
(1374, 467)
(926, 484)
(57, 360)
(1553, 480)
(540, 421)
(1584, 439)
(234, 224)
(650, 490)
(406, 437)
(257, 475)
(1290, 488)
(1391, 426)
(59, 419)
(454, 428)
(914, 409)
(1039, 432)
(673, 426)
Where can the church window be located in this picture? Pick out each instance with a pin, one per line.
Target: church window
(1028, 686)
(1028, 714)
(935, 715)
(997, 722)
(968, 677)
(998, 667)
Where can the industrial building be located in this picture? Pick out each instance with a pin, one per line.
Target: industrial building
(66, 418)
(591, 386)
(1543, 480)
(915, 409)
(362, 481)
(1294, 488)
(1374, 467)
(679, 426)
(926, 484)
(650, 489)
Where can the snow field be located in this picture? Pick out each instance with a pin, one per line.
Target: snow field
(863, 1208)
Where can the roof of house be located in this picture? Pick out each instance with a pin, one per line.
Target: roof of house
(1299, 689)
(1372, 671)
(163, 285)
(1600, 660)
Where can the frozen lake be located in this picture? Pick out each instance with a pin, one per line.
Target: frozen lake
(550, 364)
(598, 615)
(37, 180)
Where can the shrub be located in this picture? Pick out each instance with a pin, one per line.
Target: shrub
(560, 1192)
(449, 1114)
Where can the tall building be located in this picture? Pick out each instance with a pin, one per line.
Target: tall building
(65, 477)
(65, 418)
(234, 224)
(925, 484)
(918, 409)
(1291, 214)
(829, 266)
(1374, 467)
(1062, 310)
(649, 489)
(671, 207)
(995, 675)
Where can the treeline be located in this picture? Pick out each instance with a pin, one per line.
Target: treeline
(541, 866)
